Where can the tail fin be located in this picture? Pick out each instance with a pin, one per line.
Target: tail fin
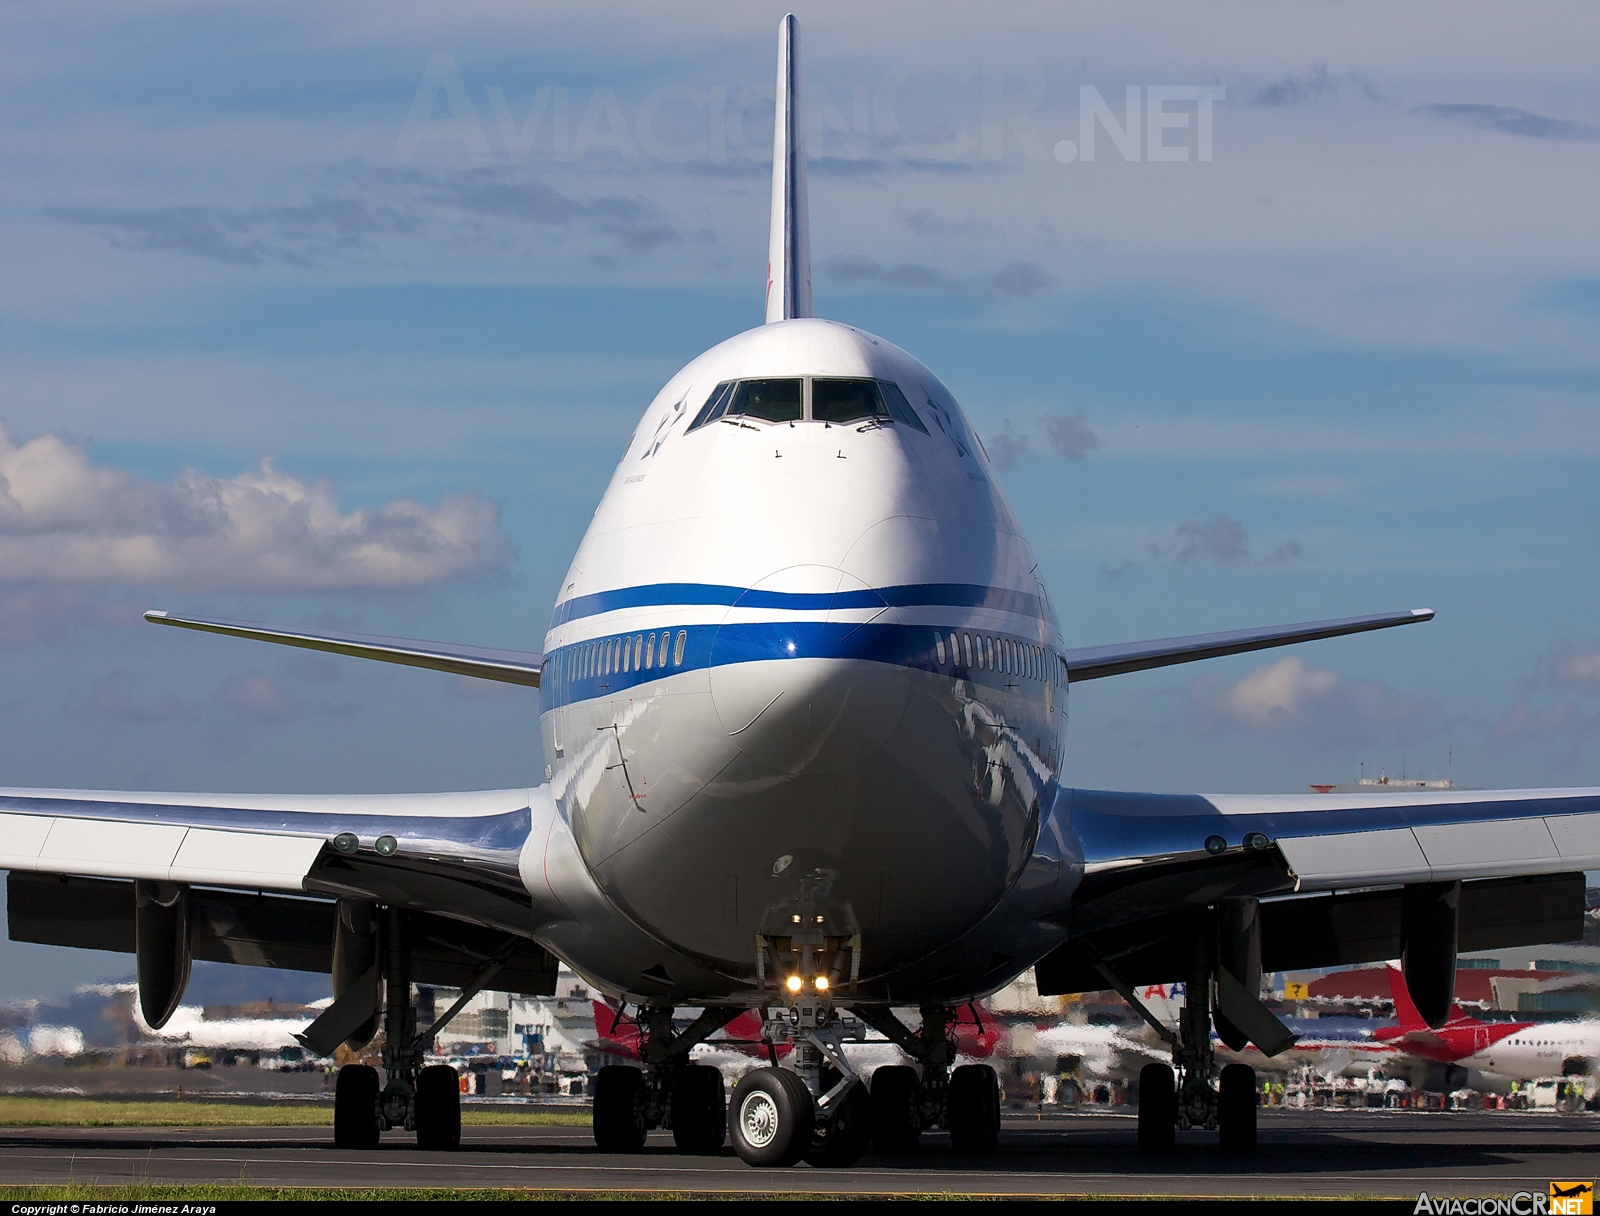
(1405, 1010)
(789, 247)
(616, 1035)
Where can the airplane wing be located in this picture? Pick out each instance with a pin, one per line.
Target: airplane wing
(1328, 868)
(483, 663)
(1096, 662)
(267, 867)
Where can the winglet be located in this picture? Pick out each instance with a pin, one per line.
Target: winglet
(789, 246)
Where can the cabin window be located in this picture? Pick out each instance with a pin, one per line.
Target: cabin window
(649, 651)
(938, 646)
(899, 408)
(772, 400)
(638, 649)
(966, 647)
(988, 652)
(677, 649)
(627, 654)
(846, 401)
(714, 407)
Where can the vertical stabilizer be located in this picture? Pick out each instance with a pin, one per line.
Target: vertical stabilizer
(789, 250)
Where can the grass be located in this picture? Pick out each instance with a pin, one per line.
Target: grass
(24, 1111)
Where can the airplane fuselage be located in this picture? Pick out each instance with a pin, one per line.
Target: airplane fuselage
(803, 667)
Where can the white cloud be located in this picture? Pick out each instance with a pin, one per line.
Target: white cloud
(1580, 668)
(1270, 695)
(65, 520)
(1290, 699)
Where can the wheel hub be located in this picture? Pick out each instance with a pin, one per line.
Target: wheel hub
(758, 1117)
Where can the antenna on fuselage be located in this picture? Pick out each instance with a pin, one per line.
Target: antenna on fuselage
(789, 247)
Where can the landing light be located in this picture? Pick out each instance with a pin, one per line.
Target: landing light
(386, 846)
(794, 983)
(346, 842)
(822, 983)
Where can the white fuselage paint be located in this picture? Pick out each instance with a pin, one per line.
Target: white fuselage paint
(812, 737)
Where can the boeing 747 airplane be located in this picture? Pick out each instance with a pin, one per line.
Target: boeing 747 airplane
(802, 707)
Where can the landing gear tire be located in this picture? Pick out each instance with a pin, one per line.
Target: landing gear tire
(771, 1117)
(973, 1099)
(355, 1107)
(1236, 1109)
(1158, 1108)
(618, 1121)
(438, 1109)
(896, 1109)
(699, 1110)
(842, 1140)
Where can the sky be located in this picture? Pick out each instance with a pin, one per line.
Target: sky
(342, 315)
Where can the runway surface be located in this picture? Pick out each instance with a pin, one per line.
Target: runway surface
(1330, 1153)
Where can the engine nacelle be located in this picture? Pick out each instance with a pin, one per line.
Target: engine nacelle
(161, 936)
(1429, 920)
(355, 961)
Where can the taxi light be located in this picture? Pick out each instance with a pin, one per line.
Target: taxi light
(822, 983)
(795, 983)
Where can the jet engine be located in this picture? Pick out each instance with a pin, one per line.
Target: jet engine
(161, 935)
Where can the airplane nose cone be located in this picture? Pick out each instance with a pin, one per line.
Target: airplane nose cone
(794, 678)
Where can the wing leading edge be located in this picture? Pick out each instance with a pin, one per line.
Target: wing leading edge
(1097, 662)
(479, 662)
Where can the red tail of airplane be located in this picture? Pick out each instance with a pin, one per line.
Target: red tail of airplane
(977, 1033)
(1463, 1035)
(619, 1035)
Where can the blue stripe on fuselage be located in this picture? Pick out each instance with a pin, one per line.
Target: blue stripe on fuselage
(752, 642)
(912, 595)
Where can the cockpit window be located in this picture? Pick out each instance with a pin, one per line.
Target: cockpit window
(834, 400)
(773, 400)
(846, 401)
(714, 406)
(899, 408)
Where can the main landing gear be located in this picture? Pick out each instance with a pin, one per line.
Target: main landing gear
(669, 1092)
(1224, 977)
(906, 1101)
(373, 943)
